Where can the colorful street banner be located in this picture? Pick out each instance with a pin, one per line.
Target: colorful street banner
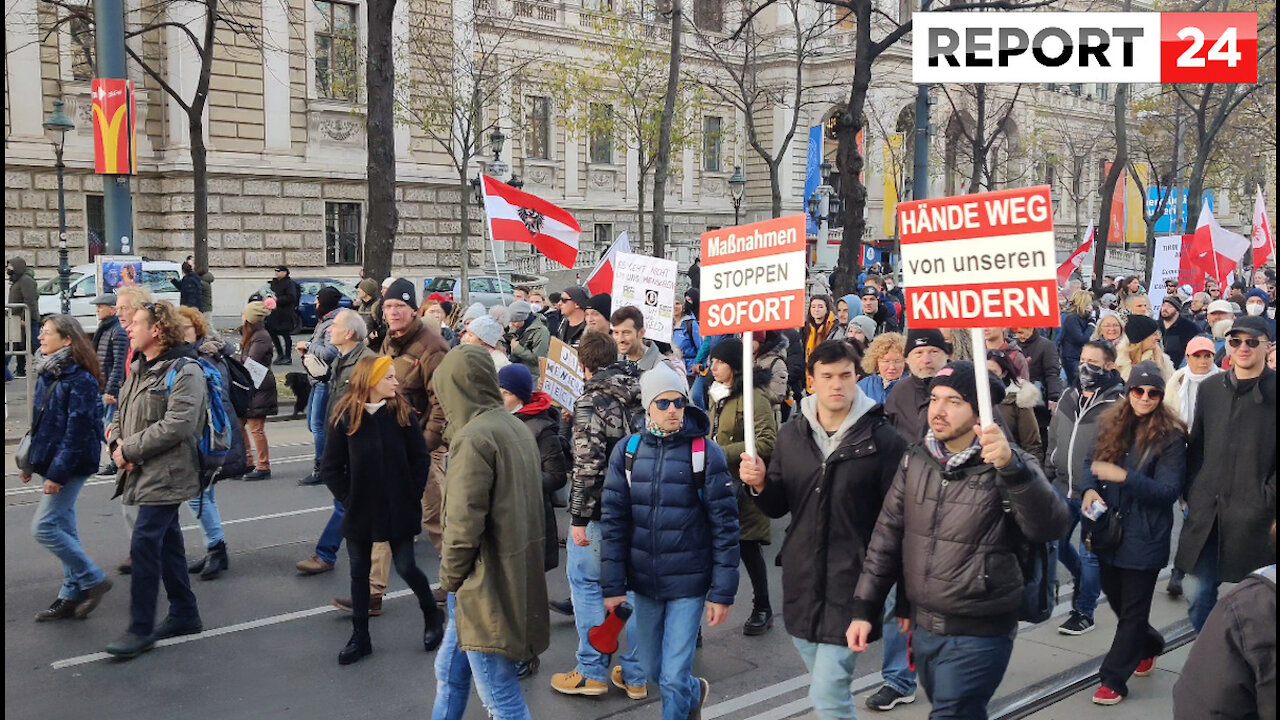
(114, 118)
(1135, 232)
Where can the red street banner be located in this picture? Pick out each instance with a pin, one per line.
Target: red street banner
(753, 276)
(114, 114)
(981, 260)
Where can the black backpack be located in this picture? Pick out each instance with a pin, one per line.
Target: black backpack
(1039, 564)
(239, 385)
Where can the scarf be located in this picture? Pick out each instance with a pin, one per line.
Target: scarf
(717, 392)
(941, 454)
(1190, 387)
(656, 431)
(372, 408)
(53, 364)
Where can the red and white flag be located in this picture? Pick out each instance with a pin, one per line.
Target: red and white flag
(1264, 243)
(517, 216)
(601, 278)
(1076, 258)
(1216, 250)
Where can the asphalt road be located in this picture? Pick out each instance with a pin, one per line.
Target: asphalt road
(271, 640)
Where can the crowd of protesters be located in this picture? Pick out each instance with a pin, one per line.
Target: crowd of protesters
(909, 519)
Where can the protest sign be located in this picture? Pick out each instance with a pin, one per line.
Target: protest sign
(1165, 265)
(753, 277)
(561, 375)
(648, 283)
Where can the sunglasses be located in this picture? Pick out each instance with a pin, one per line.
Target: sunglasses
(666, 403)
(1153, 393)
(1236, 342)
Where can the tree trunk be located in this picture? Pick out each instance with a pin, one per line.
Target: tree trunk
(977, 146)
(200, 188)
(662, 164)
(464, 253)
(853, 194)
(1195, 188)
(382, 217)
(640, 213)
(1108, 190)
(775, 186)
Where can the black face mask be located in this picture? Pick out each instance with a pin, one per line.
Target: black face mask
(1093, 377)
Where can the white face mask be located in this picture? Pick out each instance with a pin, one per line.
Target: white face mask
(537, 307)
(1254, 308)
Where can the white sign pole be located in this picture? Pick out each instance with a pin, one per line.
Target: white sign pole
(748, 391)
(980, 376)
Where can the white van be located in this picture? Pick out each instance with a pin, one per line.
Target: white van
(158, 276)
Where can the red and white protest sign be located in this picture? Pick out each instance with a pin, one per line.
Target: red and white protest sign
(753, 277)
(982, 260)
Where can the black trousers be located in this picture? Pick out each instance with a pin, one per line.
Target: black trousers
(1129, 593)
(753, 560)
(361, 555)
(283, 343)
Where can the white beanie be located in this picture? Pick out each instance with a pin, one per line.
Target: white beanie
(659, 380)
(487, 329)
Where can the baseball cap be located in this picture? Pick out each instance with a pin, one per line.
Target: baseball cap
(1200, 344)
(1253, 325)
(1219, 306)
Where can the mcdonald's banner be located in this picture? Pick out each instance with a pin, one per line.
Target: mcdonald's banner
(114, 116)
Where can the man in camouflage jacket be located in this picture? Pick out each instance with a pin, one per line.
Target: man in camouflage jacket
(601, 419)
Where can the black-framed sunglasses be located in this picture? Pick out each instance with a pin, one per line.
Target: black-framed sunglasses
(666, 403)
(1236, 342)
(1153, 393)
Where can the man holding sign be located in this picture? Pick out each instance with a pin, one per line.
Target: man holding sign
(945, 531)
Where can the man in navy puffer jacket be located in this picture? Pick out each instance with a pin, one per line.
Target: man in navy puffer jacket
(673, 543)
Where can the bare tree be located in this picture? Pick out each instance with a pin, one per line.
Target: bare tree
(988, 129)
(455, 73)
(1102, 229)
(662, 163)
(380, 77)
(1072, 150)
(743, 81)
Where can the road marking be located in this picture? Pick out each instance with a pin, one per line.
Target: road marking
(272, 516)
(227, 630)
(35, 488)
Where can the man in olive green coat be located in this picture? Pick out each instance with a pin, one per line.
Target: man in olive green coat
(491, 553)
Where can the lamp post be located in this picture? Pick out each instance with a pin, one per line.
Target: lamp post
(737, 188)
(57, 125)
(820, 205)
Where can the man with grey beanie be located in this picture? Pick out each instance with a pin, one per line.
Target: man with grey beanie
(530, 339)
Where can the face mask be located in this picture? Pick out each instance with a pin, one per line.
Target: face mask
(1093, 377)
(537, 307)
(888, 286)
(1255, 309)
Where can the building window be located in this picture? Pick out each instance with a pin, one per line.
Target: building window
(80, 28)
(539, 125)
(601, 142)
(603, 238)
(337, 64)
(1103, 92)
(712, 133)
(342, 234)
(95, 225)
(709, 15)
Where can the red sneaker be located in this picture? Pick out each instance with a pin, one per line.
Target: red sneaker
(1106, 696)
(1146, 667)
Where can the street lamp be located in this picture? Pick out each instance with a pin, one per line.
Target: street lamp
(496, 139)
(820, 207)
(475, 188)
(516, 182)
(57, 125)
(737, 187)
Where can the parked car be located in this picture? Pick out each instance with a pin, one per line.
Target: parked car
(310, 286)
(488, 290)
(158, 276)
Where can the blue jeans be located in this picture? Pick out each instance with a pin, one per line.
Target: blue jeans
(588, 611)
(1082, 564)
(670, 632)
(108, 414)
(158, 555)
(831, 671)
(495, 676)
(316, 403)
(698, 391)
(54, 527)
(1206, 573)
(205, 510)
(895, 670)
(331, 537)
(960, 673)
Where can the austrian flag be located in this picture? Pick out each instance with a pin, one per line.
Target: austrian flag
(517, 216)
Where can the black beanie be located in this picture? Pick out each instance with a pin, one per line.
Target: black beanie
(729, 352)
(601, 303)
(402, 290)
(327, 300)
(1145, 373)
(1139, 328)
(960, 376)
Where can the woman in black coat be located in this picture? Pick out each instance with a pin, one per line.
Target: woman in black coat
(1136, 467)
(255, 345)
(376, 465)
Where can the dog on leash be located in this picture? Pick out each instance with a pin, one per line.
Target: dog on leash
(300, 386)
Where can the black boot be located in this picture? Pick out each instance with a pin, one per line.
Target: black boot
(433, 631)
(216, 562)
(759, 622)
(313, 478)
(357, 647)
(197, 566)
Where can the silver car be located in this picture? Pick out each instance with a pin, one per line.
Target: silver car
(158, 276)
(488, 290)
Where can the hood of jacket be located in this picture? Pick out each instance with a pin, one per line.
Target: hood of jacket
(1026, 395)
(19, 266)
(621, 380)
(181, 351)
(652, 356)
(773, 344)
(862, 404)
(539, 403)
(211, 346)
(467, 385)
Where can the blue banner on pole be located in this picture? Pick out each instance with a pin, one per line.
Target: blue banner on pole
(812, 177)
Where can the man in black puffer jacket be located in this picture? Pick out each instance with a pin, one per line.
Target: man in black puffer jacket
(840, 460)
(946, 535)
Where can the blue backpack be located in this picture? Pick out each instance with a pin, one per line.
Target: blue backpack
(215, 436)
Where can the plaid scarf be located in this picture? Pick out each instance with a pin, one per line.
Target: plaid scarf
(949, 461)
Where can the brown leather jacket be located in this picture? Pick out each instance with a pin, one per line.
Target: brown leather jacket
(417, 353)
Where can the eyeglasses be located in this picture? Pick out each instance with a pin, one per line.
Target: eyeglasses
(1153, 393)
(1236, 342)
(666, 403)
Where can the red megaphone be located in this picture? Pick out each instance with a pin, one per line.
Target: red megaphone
(604, 637)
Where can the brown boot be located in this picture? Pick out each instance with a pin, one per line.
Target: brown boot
(314, 566)
(375, 604)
